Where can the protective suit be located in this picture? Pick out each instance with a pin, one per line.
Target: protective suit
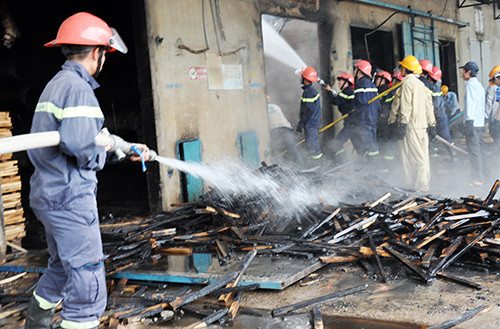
(63, 197)
(412, 106)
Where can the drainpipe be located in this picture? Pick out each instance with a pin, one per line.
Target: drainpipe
(414, 12)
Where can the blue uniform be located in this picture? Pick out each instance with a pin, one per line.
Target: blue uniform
(310, 118)
(365, 134)
(345, 103)
(388, 145)
(63, 197)
(439, 113)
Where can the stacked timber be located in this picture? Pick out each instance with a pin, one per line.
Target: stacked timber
(14, 220)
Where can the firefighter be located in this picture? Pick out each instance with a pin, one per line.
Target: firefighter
(492, 106)
(310, 112)
(63, 185)
(345, 103)
(365, 134)
(436, 100)
(387, 144)
(439, 108)
(412, 119)
(452, 108)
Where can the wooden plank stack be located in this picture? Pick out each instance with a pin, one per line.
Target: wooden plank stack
(14, 220)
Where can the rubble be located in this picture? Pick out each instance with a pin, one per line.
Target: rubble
(425, 234)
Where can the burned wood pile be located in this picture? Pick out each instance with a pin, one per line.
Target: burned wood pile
(425, 234)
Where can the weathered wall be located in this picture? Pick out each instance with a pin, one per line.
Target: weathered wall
(185, 108)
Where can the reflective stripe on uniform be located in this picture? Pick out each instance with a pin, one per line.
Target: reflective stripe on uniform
(371, 154)
(43, 303)
(310, 100)
(339, 152)
(437, 94)
(390, 99)
(70, 112)
(366, 90)
(66, 324)
(346, 96)
(315, 157)
(388, 157)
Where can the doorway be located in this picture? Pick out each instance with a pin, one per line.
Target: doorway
(123, 187)
(376, 47)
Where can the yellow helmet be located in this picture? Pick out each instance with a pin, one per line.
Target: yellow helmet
(494, 71)
(411, 63)
(444, 88)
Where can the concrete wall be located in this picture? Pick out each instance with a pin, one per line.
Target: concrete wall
(186, 108)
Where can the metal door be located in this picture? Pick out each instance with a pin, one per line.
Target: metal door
(191, 186)
(249, 150)
(421, 42)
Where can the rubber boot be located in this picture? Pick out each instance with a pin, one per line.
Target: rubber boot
(38, 318)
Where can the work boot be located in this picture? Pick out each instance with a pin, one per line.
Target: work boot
(37, 317)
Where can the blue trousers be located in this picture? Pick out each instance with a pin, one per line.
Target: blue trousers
(442, 125)
(364, 139)
(312, 140)
(75, 272)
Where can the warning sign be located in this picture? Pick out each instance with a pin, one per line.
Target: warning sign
(197, 73)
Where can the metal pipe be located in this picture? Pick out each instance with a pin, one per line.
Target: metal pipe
(215, 26)
(205, 24)
(415, 12)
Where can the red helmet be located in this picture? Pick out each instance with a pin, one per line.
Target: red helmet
(310, 74)
(384, 74)
(397, 75)
(436, 73)
(426, 65)
(87, 30)
(346, 76)
(364, 66)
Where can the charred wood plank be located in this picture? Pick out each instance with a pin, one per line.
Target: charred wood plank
(493, 192)
(462, 317)
(319, 224)
(446, 254)
(243, 267)
(459, 280)
(426, 259)
(317, 318)
(411, 266)
(209, 319)
(287, 309)
(180, 301)
(383, 276)
(472, 243)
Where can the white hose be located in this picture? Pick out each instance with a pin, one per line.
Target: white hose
(37, 140)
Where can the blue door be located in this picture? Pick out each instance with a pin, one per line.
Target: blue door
(191, 187)
(421, 42)
(249, 150)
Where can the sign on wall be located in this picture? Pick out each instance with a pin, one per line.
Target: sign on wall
(197, 73)
(232, 76)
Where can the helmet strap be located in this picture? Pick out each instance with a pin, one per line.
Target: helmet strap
(99, 61)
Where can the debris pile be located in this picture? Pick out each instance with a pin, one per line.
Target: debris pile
(425, 234)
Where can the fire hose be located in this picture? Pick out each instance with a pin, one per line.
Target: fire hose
(120, 147)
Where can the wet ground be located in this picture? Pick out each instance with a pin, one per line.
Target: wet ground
(402, 302)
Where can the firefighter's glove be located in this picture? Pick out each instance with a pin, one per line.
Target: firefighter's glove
(431, 130)
(399, 130)
(334, 92)
(299, 129)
